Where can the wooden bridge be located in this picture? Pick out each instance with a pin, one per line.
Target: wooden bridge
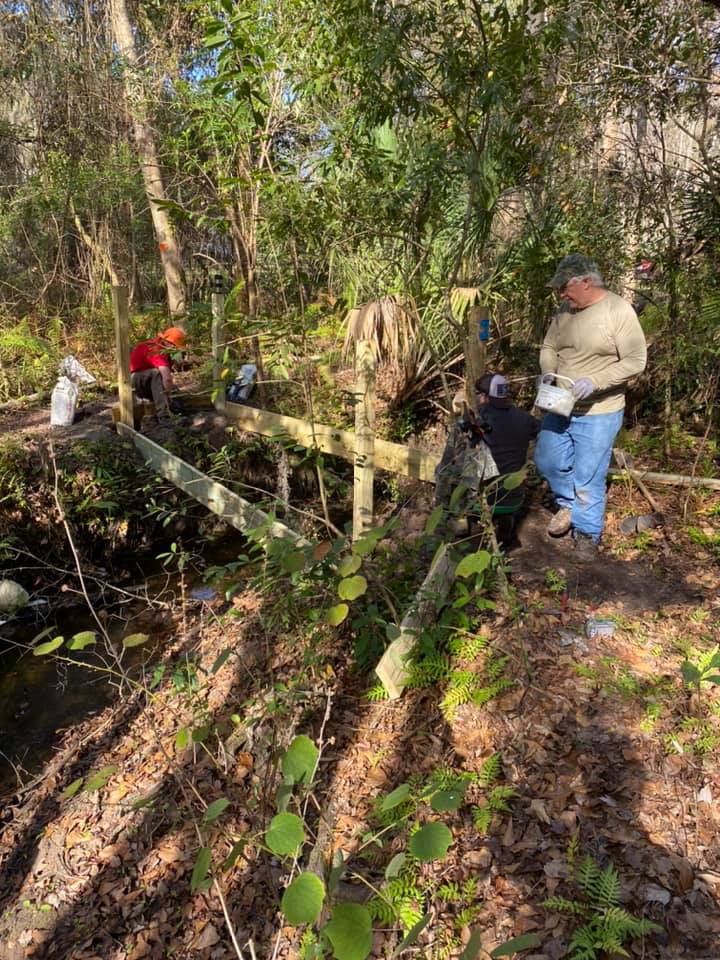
(360, 447)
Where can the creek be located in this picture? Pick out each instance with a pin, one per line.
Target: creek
(41, 696)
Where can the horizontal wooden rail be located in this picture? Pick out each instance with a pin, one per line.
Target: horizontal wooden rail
(230, 507)
(396, 457)
(408, 461)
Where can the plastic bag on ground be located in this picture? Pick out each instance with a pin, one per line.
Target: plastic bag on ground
(241, 388)
(75, 371)
(63, 403)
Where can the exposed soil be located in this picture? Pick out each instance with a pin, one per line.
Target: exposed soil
(598, 737)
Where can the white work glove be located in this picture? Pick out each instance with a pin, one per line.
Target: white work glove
(583, 387)
(548, 378)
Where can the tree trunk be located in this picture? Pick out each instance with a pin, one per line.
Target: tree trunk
(244, 251)
(148, 159)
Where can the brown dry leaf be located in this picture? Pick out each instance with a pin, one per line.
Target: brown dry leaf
(170, 852)
(141, 949)
(322, 550)
(73, 837)
(537, 806)
(507, 840)
(208, 938)
(116, 795)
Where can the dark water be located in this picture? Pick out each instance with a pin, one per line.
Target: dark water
(40, 697)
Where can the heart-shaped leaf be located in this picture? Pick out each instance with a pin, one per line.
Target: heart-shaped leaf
(300, 759)
(431, 842)
(303, 899)
(395, 866)
(335, 615)
(352, 587)
(473, 563)
(349, 565)
(286, 834)
(446, 800)
(293, 562)
(349, 930)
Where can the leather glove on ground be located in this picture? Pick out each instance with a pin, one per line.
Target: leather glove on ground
(583, 387)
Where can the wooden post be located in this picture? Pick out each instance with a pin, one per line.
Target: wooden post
(364, 438)
(218, 349)
(475, 353)
(122, 348)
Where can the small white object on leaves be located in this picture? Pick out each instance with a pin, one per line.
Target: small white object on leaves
(13, 597)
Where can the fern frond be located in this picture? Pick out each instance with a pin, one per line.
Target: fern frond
(584, 944)
(495, 667)
(490, 770)
(482, 818)
(618, 921)
(409, 913)
(498, 797)
(382, 911)
(468, 646)
(467, 915)
(376, 693)
(308, 943)
(449, 892)
(481, 696)
(462, 688)
(428, 671)
(588, 878)
(608, 888)
(562, 905)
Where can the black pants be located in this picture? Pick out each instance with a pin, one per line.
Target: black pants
(148, 385)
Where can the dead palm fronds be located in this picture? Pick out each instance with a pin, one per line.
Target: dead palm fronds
(462, 298)
(414, 349)
(386, 324)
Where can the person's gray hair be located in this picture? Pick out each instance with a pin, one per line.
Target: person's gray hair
(595, 277)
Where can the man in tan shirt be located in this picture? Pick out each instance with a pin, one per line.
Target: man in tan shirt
(596, 341)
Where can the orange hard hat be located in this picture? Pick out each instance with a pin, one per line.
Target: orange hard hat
(176, 336)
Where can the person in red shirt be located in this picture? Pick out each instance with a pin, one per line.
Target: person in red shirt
(151, 370)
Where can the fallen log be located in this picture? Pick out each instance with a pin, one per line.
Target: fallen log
(666, 479)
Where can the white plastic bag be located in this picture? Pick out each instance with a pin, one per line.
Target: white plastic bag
(75, 371)
(241, 388)
(63, 403)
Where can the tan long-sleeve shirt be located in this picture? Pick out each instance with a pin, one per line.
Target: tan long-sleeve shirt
(604, 342)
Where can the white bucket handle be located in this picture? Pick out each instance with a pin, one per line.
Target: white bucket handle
(558, 376)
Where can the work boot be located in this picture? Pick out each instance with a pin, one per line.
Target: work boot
(586, 550)
(560, 523)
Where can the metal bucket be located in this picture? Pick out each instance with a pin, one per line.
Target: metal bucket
(553, 399)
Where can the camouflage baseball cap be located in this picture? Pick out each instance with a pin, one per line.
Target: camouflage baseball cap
(573, 265)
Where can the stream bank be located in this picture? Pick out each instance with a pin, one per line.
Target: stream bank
(98, 857)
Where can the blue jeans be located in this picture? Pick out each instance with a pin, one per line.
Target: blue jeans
(573, 454)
